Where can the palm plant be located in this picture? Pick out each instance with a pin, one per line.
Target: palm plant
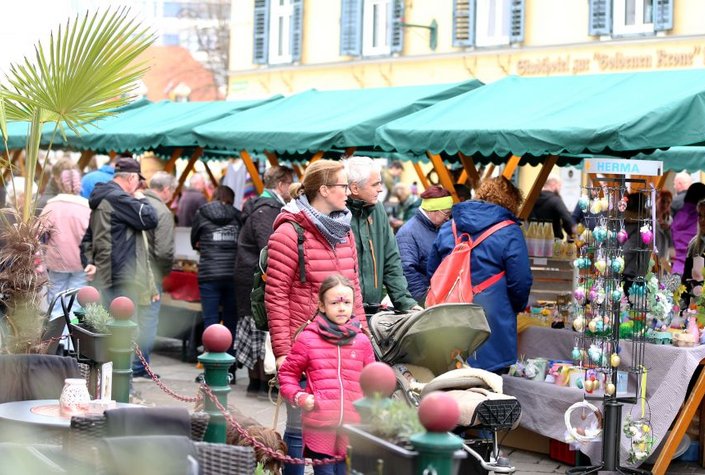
(87, 71)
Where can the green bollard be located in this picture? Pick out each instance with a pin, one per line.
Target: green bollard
(122, 333)
(438, 413)
(216, 362)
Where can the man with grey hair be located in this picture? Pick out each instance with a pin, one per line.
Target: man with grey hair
(161, 258)
(378, 258)
(681, 182)
(191, 199)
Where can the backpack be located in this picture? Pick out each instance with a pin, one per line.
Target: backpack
(452, 281)
(259, 312)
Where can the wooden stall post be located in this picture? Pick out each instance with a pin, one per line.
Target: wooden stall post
(272, 157)
(171, 164)
(489, 170)
(298, 170)
(189, 166)
(210, 173)
(533, 195)
(15, 156)
(422, 176)
(511, 165)
(84, 159)
(316, 156)
(443, 174)
(253, 171)
(470, 169)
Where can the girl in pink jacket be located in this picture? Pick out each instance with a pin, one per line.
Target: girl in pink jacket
(331, 351)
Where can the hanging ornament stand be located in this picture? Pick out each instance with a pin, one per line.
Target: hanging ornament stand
(603, 303)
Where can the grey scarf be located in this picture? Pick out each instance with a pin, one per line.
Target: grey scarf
(334, 226)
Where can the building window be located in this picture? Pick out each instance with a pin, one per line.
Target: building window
(630, 17)
(371, 27)
(485, 23)
(277, 31)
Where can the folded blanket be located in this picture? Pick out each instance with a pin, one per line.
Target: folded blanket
(464, 378)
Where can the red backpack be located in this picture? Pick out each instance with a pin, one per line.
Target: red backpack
(452, 281)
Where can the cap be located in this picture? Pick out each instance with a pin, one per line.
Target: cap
(128, 165)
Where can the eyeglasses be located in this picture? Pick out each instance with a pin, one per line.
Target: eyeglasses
(344, 185)
(446, 214)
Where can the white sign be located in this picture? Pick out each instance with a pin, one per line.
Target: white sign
(617, 166)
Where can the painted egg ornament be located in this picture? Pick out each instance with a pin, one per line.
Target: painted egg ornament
(605, 203)
(622, 205)
(600, 296)
(601, 266)
(617, 265)
(592, 326)
(599, 234)
(616, 295)
(615, 360)
(583, 202)
(579, 383)
(579, 295)
(622, 236)
(588, 385)
(579, 324)
(647, 236)
(581, 227)
(595, 353)
(575, 354)
(610, 389)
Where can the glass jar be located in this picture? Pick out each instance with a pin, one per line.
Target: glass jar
(74, 398)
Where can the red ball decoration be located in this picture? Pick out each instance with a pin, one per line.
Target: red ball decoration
(88, 295)
(122, 308)
(439, 412)
(378, 379)
(217, 338)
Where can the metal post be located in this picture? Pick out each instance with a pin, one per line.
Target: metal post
(122, 333)
(436, 451)
(216, 365)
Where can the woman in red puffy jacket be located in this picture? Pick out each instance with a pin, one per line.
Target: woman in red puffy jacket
(331, 351)
(328, 247)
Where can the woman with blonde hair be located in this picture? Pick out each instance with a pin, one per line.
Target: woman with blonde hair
(502, 255)
(312, 239)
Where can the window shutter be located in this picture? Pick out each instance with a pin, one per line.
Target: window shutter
(516, 28)
(296, 29)
(351, 28)
(463, 22)
(397, 32)
(261, 32)
(600, 17)
(663, 15)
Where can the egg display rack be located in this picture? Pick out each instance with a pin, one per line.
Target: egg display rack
(605, 300)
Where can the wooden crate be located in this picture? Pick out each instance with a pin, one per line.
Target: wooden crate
(552, 277)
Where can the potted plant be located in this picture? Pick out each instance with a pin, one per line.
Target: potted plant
(91, 332)
(87, 72)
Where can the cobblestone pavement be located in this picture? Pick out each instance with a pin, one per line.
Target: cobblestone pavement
(180, 376)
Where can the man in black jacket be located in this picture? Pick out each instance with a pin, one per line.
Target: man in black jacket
(258, 216)
(550, 207)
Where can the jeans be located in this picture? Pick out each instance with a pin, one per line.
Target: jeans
(293, 437)
(214, 295)
(148, 321)
(330, 469)
(60, 281)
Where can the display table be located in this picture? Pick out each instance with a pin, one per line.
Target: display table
(670, 370)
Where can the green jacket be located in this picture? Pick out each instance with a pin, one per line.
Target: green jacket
(378, 256)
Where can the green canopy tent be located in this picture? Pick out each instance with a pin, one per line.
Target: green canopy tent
(314, 122)
(538, 119)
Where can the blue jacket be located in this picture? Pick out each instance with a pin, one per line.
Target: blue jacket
(504, 250)
(415, 239)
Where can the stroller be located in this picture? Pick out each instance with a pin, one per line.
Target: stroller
(428, 351)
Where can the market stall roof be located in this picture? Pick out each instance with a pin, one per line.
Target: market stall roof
(610, 113)
(313, 121)
(158, 125)
(676, 159)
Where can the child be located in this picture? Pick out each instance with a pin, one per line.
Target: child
(331, 350)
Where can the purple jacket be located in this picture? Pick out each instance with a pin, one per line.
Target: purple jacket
(684, 227)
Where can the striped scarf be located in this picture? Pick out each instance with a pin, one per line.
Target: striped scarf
(337, 334)
(334, 227)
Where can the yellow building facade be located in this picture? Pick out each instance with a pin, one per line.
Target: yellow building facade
(287, 46)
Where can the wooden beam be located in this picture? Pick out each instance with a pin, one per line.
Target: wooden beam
(189, 166)
(533, 195)
(210, 174)
(316, 156)
(680, 425)
(422, 176)
(15, 156)
(443, 174)
(510, 167)
(489, 170)
(469, 167)
(463, 177)
(171, 163)
(298, 170)
(272, 157)
(112, 154)
(659, 185)
(84, 159)
(349, 152)
(253, 171)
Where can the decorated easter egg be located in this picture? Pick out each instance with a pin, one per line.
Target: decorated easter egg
(588, 385)
(610, 389)
(592, 326)
(615, 360)
(601, 265)
(579, 324)
(622, 236)
(579, 294)
(592, 295)
(617, 265)
(596, 207)
(600, 296)
(646, 235)
(575, 354)
(583, 202)
(581, 227)
(616, 295)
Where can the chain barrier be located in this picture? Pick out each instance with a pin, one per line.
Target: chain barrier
(205, 389)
